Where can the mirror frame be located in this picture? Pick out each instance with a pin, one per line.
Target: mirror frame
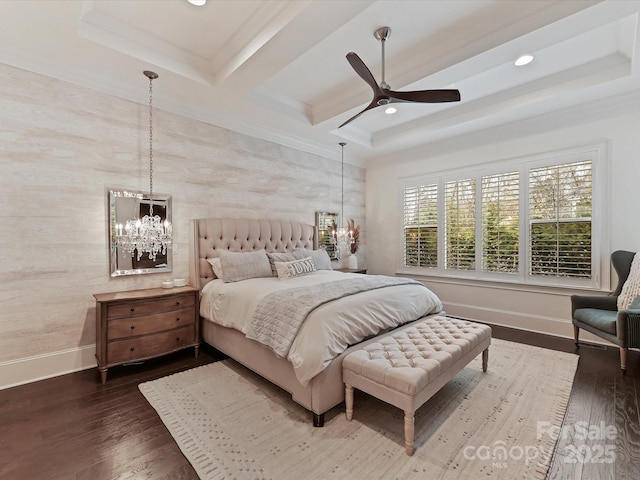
(114, 216)
(322, 220)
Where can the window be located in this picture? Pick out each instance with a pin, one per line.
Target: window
(560, 220)
(421, 226)
(529, 221)
(500, 223)
(460, 224)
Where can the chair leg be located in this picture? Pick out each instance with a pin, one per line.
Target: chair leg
(576, 332)
(623, 359)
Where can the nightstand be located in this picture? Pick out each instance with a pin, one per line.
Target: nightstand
(352, 270)
(140, 324)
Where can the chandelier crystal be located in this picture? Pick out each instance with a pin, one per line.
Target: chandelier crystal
(147, 235)
(342, 237)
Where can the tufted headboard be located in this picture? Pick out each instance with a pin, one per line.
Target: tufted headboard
(242, 235)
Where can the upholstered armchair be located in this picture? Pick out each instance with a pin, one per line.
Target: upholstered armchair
(600, 315)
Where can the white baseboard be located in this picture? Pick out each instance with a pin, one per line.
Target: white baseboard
(558, 327)
(39, 367)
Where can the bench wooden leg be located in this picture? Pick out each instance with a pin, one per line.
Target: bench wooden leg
(485, 359)
(408, 432)
(348, 400)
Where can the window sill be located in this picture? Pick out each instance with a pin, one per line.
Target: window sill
(563, 290)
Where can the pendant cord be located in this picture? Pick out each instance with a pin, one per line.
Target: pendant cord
(151, 146)
(342, 144)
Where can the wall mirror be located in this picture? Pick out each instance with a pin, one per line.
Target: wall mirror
(326, 224)
(127, 204)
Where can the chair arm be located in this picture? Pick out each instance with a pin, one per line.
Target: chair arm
(628, 327)
(609, 302)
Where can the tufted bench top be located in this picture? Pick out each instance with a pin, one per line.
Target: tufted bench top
(409, 359)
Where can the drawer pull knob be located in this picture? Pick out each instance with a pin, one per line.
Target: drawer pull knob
(133, 327)
(178, 319)
(133, 309)
(178, 303)
(177, 339)
(132, 348)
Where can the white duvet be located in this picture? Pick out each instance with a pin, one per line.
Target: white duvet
(330, 328)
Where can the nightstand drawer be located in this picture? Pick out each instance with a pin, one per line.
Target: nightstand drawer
(146, 324)
(137, 307)
(137, 348)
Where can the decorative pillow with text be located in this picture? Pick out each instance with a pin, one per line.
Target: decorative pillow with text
(283, 257)
(295, 268)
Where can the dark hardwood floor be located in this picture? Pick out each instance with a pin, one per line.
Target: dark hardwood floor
(74, 427)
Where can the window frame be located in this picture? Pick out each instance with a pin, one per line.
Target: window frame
(597, 153)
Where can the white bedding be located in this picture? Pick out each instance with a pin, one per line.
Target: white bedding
(330, 328)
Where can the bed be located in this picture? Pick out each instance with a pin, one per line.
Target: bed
(225, 310)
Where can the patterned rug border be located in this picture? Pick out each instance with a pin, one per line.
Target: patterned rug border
(170, 398)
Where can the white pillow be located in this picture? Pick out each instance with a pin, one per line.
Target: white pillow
(215, 265)
(238, 266)
(295, 268)
(320, 258)
(631, 287)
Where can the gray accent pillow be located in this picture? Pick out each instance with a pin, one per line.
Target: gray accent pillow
(237, 266)
(282, 257)
(320, 258)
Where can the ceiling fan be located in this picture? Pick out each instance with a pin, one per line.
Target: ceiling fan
(383, 95)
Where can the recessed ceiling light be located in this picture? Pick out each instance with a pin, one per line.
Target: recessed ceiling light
(523, 60)
(197, 3)
(390, 110)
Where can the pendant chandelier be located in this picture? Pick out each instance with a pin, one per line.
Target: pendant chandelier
(149, 235)
(343, 237)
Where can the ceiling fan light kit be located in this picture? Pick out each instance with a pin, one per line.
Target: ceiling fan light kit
(382, 93)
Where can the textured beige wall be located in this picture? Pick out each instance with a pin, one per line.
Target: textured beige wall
(62, 145)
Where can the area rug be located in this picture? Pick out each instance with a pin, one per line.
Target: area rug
(230, 423)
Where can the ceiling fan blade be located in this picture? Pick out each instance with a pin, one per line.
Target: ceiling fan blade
(425, 96)
(373, 104)
(362, 70)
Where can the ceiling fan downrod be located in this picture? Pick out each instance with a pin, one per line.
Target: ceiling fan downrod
(382, 34)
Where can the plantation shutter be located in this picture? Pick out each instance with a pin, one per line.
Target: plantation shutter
(421, 226)
(500, 222)
(460, 222)
(560, 220)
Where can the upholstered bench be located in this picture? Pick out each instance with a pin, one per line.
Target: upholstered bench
(408, 366)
